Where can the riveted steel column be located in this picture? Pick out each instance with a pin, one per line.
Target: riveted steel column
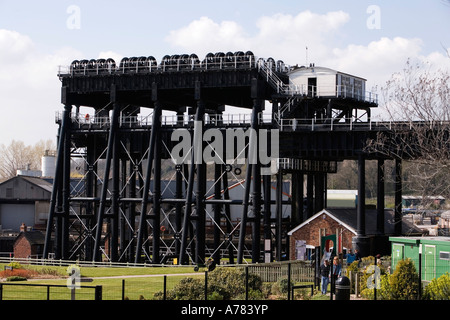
(380, 197)
(361, 205)
(157, 193)
(109, 155)
(217, 211)
(256, 196)
(66, 193)
(229, 226)
(398, 198)
(200, 192)
(267, 187)
(58, 173)
(188, 205)
(156, 125)
(252, 157)
(114, 220)
(279, 214)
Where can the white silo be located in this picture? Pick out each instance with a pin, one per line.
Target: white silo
(48, 164)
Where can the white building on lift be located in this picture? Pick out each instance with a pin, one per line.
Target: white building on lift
(325, 82)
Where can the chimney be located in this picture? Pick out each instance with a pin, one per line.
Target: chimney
(23, 227)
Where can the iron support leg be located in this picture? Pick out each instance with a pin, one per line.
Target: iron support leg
(251, 161)
(267, 185)
(217, 207)
(151, 151)
(380, 197)
(66, 195)
(361, 205)
(229, 226)
(398, 198)
(188, 207)
(56, 181)
(109, 154)
(114, 224)
(157, 199)
(279, 212)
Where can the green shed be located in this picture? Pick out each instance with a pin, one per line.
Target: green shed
(435, 254)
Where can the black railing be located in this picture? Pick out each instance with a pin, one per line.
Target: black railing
(22, 291)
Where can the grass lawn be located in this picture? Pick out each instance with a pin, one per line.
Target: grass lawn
(135, 287)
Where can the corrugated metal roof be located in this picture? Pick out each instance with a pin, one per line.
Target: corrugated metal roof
(38, 182)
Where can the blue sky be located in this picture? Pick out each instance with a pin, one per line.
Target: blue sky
(37, 36)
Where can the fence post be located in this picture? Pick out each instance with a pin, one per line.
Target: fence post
(420, 272)
(206, 285)
(289, 280)
(375, 280)
(246, 283)
(98, 293)
(123, 289)
(165, 288)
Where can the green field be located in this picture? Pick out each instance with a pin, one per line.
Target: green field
(132, 283)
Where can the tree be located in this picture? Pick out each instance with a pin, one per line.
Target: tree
(417, 105)
(18, 156)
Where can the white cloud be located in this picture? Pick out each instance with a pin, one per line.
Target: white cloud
(14, 45)
(204, 35)
(29, 88)
(375, 61)
(282, 36)
(285, 37)
(110, 54)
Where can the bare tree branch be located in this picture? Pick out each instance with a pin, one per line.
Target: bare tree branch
(418, 101)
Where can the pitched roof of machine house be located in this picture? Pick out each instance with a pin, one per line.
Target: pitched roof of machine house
(347, 218)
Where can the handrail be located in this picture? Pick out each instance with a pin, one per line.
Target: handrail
(331, 124)
(60, 262)
(226, 119)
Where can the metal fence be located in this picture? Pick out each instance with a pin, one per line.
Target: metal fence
(146, 287)
(26, 291)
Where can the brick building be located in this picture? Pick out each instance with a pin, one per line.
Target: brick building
(342, 222)
(29, 244)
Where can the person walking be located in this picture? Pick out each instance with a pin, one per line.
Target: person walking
(324, 273)
(335, 271)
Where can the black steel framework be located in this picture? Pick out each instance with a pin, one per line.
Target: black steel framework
(118, 211)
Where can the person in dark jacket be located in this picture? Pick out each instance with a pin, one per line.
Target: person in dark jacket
(336, 269)
(324, 273)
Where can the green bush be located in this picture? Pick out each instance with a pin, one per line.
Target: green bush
(223, 283)
(401, 285)
(230, 282)
(16, 278)
(404, 281)
(187, 289)
(283, 285)
(15, 265)
(383, 293)
(438, 289)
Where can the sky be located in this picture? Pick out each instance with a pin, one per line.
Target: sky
(371, 39)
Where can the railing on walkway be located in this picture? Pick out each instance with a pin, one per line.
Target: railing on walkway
(27, 291)
(226, 119)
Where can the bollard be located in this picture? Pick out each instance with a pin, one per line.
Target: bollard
(343, 288)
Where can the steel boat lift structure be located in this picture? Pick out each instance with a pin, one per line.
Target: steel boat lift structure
(120, 211)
